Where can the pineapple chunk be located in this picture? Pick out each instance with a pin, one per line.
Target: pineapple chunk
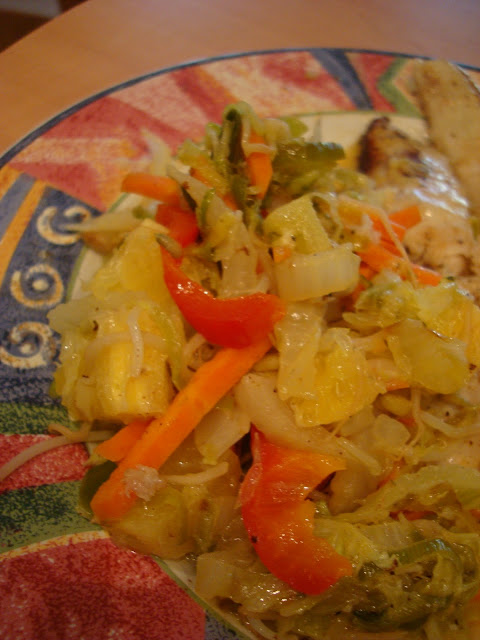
(135, 266)
(297, 224)
(121, 341)
(342, 385)
(448, 311)
(124, 390)
(427, 359)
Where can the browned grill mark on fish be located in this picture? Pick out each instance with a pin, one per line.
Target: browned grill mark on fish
(390, 156)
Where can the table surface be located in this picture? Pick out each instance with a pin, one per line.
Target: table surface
(101, 43)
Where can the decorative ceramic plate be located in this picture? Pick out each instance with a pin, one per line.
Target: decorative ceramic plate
(60, 576)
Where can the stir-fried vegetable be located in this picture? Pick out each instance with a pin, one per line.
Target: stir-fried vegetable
(164, 434)
(294, 399)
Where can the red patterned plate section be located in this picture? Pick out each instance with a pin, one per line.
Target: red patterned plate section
(59, 465)
(84, 588)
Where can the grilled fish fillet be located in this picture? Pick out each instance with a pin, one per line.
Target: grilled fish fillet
(451, 103)
(415, 169)
(412, 172)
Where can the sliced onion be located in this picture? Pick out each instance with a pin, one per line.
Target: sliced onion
(449, 430)
(219, 430)
(215, 575)
(256, 395)
(306, 276)
(191, 479)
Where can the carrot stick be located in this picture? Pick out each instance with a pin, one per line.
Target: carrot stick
(400, 221)
(226, 196)
(426, 276)
(164, 434)
(412, 514)
(394, 473)
(408, 217)
(395, 385)
(379, 257)
(366, 274)
(160, 188)
(281, 253)
(259, 167)
(117, 447)
(398, 229)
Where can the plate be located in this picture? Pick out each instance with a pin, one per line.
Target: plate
(60, 576)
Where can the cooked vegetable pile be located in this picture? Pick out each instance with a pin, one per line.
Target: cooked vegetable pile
(294, 399)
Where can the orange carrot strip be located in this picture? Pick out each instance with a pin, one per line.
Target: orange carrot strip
(259, 167)
(388, 244)
(412, 514)
(395, 385)
(400, 221)
(378, 257)
(425, 275)
(281, 253)
(366, 271)
(228, 198)
(117, 447)
(230, 201)
(394, 473)
(408, 217)
(164, 434)
(160, 188)
(398, 229)
(409, 421)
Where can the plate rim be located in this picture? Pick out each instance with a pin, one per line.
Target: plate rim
(58, 117)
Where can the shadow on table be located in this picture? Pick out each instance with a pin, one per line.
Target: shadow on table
(18, 18)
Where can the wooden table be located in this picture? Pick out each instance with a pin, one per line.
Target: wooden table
(104, 42)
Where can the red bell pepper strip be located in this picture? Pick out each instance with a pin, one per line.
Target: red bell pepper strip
(181, 224)
(279, 517)
(228, 322)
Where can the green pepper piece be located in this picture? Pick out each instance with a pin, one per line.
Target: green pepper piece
(91, 481)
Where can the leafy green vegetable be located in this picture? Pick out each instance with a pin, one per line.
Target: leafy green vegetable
(428, 485)
(298, 164)
(94, 477)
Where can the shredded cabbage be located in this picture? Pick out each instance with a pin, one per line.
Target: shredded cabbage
(378, 370)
